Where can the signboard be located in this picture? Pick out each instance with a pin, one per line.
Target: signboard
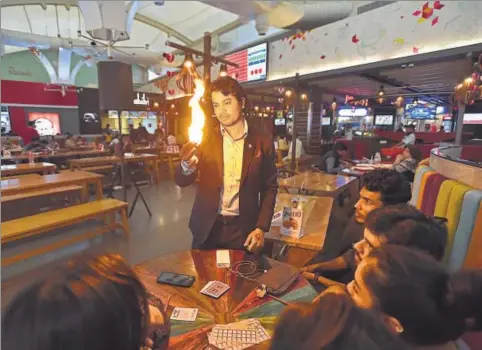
(473, 118)
(45, 123)
(417, 111)
(252, 63)
(353, 112)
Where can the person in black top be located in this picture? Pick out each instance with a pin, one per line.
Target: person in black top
(333, 160)
(379, 188)
(397, 224)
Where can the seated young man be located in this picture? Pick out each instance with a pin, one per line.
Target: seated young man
(379, 188)
(398, 224)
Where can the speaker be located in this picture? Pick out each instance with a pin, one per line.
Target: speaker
(115, 85)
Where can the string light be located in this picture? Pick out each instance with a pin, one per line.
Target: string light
(156, 104)
(256, 108)
(173, 106)
(288, 93)
(304, 97)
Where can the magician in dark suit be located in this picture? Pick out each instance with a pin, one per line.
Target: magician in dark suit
(237, 176)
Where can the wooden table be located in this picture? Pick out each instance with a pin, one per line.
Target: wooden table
(316, 217)
(81, 178)
(80, 153)
(147, 159)
(128, 158)
(239, 303)
(27, 168)
(316, 183)
(162, 154)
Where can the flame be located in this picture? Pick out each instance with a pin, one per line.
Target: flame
(197, 120)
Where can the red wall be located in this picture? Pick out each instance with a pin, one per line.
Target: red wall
(21, 92)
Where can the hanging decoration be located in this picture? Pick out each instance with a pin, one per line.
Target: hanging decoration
(187, 75)
(471, 89)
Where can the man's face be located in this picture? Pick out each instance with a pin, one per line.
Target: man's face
(226, 108)
(368, 202)
(364, 246)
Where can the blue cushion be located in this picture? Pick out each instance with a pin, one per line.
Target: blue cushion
(470, 208)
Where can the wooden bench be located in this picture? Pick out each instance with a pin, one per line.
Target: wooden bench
(98, 169)
(18, 229)
(41, 192)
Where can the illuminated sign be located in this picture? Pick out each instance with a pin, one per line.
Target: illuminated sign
(252, 63)
(353, 112)
(141, 100)
(350, 100)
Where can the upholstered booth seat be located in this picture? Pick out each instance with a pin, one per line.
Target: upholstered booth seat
(443, 198)
(421, 170)
(465, 228)
(431, 193)
(453, 213)
(423, 187)
(473, 258)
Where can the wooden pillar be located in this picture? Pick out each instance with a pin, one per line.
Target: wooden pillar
(460, 125)
(207, 81)
(296, 110)
(313, 127)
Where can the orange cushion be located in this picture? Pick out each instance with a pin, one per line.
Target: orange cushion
(423, 184)
(473, 258)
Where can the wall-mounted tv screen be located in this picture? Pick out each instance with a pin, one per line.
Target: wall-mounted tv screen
(472, 118)
(418, 111)
(45, 123)
(252, 63)
(279, 122)
(383, 119)
(325, 121)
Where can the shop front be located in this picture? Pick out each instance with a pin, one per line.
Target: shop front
(146, 109)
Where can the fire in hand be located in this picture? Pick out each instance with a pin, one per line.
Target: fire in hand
(197, 113)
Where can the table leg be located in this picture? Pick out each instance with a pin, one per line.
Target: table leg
(99, 192)
(171, 166)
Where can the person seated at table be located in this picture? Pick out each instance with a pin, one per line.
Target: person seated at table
(299, 148)
(80, 141)
(417, 297)
(36, 145)
(409, 138)
(406, 162)
(333, 161)
(400, 224)
(333, 322)
(142, 133)
(69, 141)
(379, 188)
(89, 304)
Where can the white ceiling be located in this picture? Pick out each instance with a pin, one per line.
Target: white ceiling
(184, 22)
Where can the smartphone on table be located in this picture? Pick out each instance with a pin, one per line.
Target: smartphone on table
(175, 279)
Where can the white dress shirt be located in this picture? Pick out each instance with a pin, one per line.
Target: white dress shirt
(233, 150)
(233, 165)
(409, 139)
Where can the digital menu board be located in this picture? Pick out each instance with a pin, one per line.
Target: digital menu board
(252, 63)
(45, 123)
(416, 111)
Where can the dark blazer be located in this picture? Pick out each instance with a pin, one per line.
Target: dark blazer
(257, 191)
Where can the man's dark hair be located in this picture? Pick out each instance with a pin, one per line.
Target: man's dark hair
(229, 86)
(31, 124)
(393, 187)
(403, 224)
(332, 323)
(96, 304)
(410, 126)
(339, 146)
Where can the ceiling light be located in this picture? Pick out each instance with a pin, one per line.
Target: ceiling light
(304, 97)
(173, 106)
(381, 91)
(333, 104)
(288, 93)
(156, 104)
(256, 108)
(188, 61)
(223, 71)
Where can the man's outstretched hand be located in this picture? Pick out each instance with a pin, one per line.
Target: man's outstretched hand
(255, 240)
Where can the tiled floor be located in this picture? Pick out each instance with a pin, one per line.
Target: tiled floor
(163, 233)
